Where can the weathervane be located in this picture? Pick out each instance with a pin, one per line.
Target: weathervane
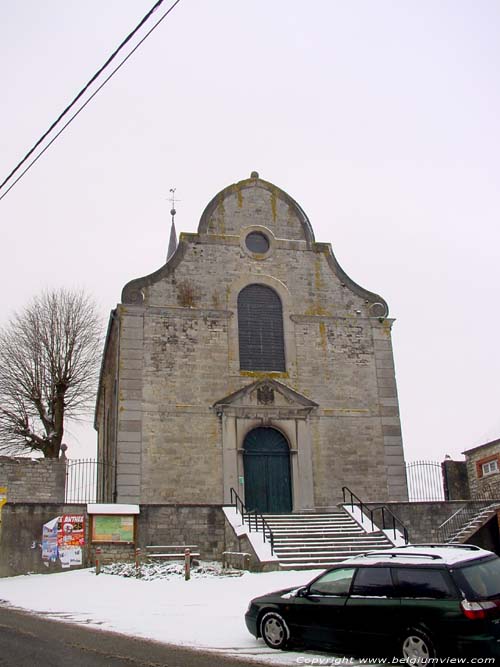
(172, 201)
(172, 245)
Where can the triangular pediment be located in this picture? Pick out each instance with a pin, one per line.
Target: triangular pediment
(265, 394)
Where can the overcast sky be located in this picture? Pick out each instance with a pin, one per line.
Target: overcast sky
(381, 118)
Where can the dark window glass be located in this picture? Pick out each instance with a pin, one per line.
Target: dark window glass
(481, 580)
(373, 581)
(257, 242)
(424, 583)
(335, 582)
(260, 329)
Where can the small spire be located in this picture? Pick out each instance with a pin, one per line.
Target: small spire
(172, 244)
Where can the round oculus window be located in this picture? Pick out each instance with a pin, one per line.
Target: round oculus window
(257, 242)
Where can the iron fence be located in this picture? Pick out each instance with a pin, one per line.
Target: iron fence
(90, 481)
(425, 481)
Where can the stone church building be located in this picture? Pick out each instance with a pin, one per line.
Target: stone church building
(251, 361)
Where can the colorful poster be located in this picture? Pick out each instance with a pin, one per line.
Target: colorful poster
(71, 531)
(49, 540)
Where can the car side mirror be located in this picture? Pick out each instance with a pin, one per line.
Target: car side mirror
(303, 592)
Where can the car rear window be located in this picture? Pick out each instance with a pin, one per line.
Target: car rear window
(480, 581)
(424, 583)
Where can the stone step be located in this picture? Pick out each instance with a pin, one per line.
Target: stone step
(363, 544)
(308, 541)
(335, 539)
(292, 518)
(305, 554)
(317, 533)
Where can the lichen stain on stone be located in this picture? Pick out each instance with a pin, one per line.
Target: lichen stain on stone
(220, 216)
(239, 195)
(386, 327)
(186, 294)
(274, 205)
(264, 374)
(215, 301)
(318, 280)
(322, 335)
(317, 309)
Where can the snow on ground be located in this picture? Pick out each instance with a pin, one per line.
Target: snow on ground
(205, 613)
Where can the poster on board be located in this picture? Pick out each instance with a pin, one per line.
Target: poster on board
(70, 539)
(71, 530)
(49, 541)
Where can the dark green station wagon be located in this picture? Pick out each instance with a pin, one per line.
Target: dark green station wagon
(415, 602)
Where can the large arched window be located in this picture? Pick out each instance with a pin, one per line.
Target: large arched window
(260, 328)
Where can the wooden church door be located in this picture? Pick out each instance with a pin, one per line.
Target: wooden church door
(266, 462)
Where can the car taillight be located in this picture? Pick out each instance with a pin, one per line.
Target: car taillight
(477, 610)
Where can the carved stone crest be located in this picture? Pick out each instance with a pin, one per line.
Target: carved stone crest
(265, 395)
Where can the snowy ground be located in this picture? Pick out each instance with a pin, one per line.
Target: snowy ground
(205, 613)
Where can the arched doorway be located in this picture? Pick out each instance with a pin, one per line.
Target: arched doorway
(266, 462)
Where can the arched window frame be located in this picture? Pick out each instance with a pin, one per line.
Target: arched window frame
(261, 335)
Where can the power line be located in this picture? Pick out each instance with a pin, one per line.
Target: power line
(82, 92)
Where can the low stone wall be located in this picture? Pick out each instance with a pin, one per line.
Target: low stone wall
(21, 533)
(29, 479)
(424, 518)
(202, 525)
(21, 536)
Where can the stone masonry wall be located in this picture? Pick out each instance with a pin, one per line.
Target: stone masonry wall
(27, 480)
(481, 485)
(179, 355)
(202, 525)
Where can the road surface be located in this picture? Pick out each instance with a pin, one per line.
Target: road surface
(27, 640)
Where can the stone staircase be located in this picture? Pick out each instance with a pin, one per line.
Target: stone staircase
(318, 540)
(471, 522)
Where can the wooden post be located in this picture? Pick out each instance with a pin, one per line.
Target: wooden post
(98, 560)
(187, 564)
(137, 562)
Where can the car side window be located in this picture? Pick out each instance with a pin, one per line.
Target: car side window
(374, 582)
(423, 583)
(335, 582)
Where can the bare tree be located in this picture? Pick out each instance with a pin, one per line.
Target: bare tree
(49, 362)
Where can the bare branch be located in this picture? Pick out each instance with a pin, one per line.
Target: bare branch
(49, 360)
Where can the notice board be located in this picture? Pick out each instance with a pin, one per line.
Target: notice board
(113, 528)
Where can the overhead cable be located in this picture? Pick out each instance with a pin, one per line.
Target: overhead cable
(82, 92)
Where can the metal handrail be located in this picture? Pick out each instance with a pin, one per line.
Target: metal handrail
(462, 518)
(254, 515)
(367, 511)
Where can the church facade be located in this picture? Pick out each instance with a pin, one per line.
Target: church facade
(250, 361)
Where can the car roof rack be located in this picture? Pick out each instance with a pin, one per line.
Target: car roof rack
(437, 545)
(393, 554)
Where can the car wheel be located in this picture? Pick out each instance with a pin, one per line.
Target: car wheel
(417, 646)
(274, 630)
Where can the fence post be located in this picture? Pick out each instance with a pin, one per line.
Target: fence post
(137, 562)
(187, 564)
(98, 552)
